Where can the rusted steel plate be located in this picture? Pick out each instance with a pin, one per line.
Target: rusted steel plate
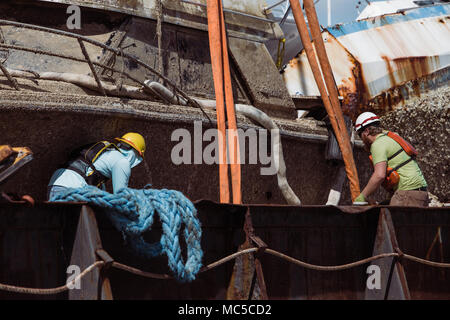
(268, 92)
(52, 150)
(317, 235)
(222, 233)
(35, 246)
(304, 233)
(86, 244)
(247, 281)
(415, 230)
(392, 282)
(246, 17)
(322, 235)
(243, 284)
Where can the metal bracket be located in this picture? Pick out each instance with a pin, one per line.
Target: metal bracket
(102, 254)
(393, 278)
(87, 248)
(262, 246)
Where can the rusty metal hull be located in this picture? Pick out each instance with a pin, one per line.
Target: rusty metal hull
(83, 124)
(380, 62)
(246, 18)
(37, 244)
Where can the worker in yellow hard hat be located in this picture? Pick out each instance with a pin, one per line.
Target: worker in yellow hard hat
(96, 163)
(134, 140)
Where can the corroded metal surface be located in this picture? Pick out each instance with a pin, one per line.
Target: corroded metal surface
(122, 43)
(393, 282)
(35, 246)
(87, 243)
(84, 124)
(415, 231)
(222, 234)
(315, 234)
(265, 86)
(246, 18)
(377, 62)
(319, 235)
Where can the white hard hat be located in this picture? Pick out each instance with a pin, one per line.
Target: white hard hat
(364, 119)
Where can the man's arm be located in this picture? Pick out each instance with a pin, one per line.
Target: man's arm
(377, 178)
(120, 175)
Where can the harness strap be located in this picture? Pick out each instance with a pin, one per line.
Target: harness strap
(75, 166)
(87, 159)
(395, 154)
(399, 166)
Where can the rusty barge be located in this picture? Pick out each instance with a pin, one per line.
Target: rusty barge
(262, 249)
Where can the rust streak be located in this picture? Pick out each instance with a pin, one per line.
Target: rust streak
(356, 102)
(412, 67)
(390, 71)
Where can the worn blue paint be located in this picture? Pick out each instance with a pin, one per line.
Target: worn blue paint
(408, 15)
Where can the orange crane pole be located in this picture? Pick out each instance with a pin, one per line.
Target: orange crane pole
(224, 102)
(233, 139)
(215, 47)
(330, 101)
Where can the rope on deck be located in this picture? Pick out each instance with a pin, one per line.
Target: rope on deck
(131, 212)
(289, 259)
(213, 265)
(11, 288)
(165, 276)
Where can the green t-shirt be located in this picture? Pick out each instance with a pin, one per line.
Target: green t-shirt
(411, 176)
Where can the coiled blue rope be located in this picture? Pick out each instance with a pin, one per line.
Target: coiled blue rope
(132, 213)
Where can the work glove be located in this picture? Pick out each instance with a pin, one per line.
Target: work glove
(360, 198)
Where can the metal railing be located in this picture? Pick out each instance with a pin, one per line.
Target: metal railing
(117, 52)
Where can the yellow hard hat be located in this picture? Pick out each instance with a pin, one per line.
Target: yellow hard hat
(135, 140)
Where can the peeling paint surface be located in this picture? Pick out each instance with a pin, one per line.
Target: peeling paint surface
(382, 61)
(299, 78)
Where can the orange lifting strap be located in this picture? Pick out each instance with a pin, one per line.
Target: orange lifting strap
(224, 97)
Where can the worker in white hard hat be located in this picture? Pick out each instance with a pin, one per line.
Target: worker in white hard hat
(395, 167)
(97, 163)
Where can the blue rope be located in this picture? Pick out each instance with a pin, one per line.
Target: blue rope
(132, 213)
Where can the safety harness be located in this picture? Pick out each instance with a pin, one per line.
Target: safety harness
(392, 177)
(84, 157)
